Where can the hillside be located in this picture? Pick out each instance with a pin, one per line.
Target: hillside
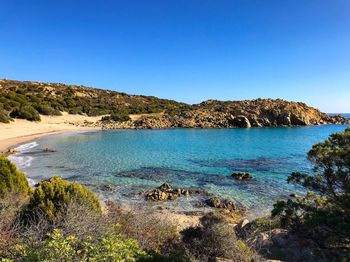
(29, 100)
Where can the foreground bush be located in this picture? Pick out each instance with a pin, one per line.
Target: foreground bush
(324, 213)
(57, 247)
(215, 238)
(11, 179)
(51, 198)
(26, 112)
(151, 231)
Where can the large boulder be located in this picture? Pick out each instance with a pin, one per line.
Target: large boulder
(240, 121)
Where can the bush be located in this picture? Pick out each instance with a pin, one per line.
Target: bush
(118, 117)
(58, 247)
(10, 207)
(53, 196)
(4, 116)
(11, 179)
(151, 232)
(214, 237)
(47, 110)
(26, 112)
(324, 213)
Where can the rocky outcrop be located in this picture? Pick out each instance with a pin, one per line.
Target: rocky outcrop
(231, 114)
(167, 192)
(240, 121)
(242, 176)
(217, 202)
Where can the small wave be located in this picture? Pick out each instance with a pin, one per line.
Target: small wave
(21, 161)
(31, 181)
(26, 147)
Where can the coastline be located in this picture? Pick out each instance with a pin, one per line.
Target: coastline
(21, 131)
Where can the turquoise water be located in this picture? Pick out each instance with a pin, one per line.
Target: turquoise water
(136, 160)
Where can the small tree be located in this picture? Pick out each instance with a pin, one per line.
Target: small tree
(53, 196)
(11, 179)
(4, 116)
(324, 213)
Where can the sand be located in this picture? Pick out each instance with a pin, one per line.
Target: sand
(21, 131)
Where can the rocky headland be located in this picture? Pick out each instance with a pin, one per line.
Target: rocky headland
(231, 114)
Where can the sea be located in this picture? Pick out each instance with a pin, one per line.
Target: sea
(120, 165)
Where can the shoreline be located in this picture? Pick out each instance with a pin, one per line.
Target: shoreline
(21, 131)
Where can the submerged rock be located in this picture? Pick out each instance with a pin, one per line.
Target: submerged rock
(109, 188)
(242, 176)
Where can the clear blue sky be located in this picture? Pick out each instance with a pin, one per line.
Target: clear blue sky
(188, 50)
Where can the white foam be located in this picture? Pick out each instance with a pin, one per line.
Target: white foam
(26, 147)
(23, 161)
(31, 181)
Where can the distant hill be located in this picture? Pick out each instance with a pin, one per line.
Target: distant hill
(25, 99)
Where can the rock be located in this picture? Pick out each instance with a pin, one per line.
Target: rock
(221, 203)
(109, 188)
(293, 195)
(167, 192)
(261, 240)
(49, 150)
(241, 121)
(219, 259)
(280, 237)
(243, 223)
(11, 151)
(242, 176)
(166, 187)
(284, 119)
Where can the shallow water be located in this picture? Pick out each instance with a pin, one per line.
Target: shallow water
(136, 160)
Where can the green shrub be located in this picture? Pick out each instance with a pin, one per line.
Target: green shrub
(57, 247)
(215, 237)
(4, 116)
(76, 111)
(117, 116)
(47, 110)
(52, 197)
(11, 179)
(25, 112)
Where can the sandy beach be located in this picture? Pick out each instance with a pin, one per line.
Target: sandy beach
(21, 131)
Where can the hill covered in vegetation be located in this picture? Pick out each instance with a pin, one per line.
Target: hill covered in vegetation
(29, 100)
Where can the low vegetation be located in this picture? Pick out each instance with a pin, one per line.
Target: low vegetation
(29, 99)
(117, 116)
